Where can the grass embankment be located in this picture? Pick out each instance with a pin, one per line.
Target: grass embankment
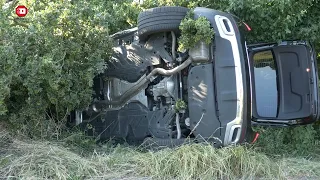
(55, 160)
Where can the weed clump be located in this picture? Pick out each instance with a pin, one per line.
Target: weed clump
(193, 31)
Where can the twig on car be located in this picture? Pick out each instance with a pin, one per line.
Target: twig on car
(196, 125)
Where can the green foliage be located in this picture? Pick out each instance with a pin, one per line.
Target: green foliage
(271, 20)
(80, 143)
(299, 140)
(49, 58)
(194, 31)
(180, 105)
(155, 3)
(276, 20)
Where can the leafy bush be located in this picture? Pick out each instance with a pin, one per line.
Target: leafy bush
(299, 140)
(49, 58)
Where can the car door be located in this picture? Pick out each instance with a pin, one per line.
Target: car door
(284, 83)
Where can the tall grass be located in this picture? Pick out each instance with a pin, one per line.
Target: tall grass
(198, 160)
(26, 159)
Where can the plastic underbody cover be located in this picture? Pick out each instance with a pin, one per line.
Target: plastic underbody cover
(201, 102)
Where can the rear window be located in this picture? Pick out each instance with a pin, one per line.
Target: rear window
(265, 78)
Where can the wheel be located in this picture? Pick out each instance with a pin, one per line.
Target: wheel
(129, 63)
(160, 19)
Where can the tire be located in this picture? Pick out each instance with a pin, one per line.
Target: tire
(160, 19)
(129, 64)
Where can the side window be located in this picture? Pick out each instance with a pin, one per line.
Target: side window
(265, 82)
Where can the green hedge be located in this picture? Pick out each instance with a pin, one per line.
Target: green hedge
(49, 58)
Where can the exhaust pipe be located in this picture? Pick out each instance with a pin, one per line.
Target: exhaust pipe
(139, 85)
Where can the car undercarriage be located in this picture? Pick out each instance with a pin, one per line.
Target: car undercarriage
(152, 91)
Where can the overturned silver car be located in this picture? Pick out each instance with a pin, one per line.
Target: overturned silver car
(150, 91)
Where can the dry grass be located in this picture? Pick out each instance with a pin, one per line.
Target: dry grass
(48, 160)
(34, 160)
(193, 161)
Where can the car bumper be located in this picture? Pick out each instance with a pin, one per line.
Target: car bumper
(222, 110)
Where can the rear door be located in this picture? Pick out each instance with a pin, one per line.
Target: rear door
(283, 81)
(294, 81)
